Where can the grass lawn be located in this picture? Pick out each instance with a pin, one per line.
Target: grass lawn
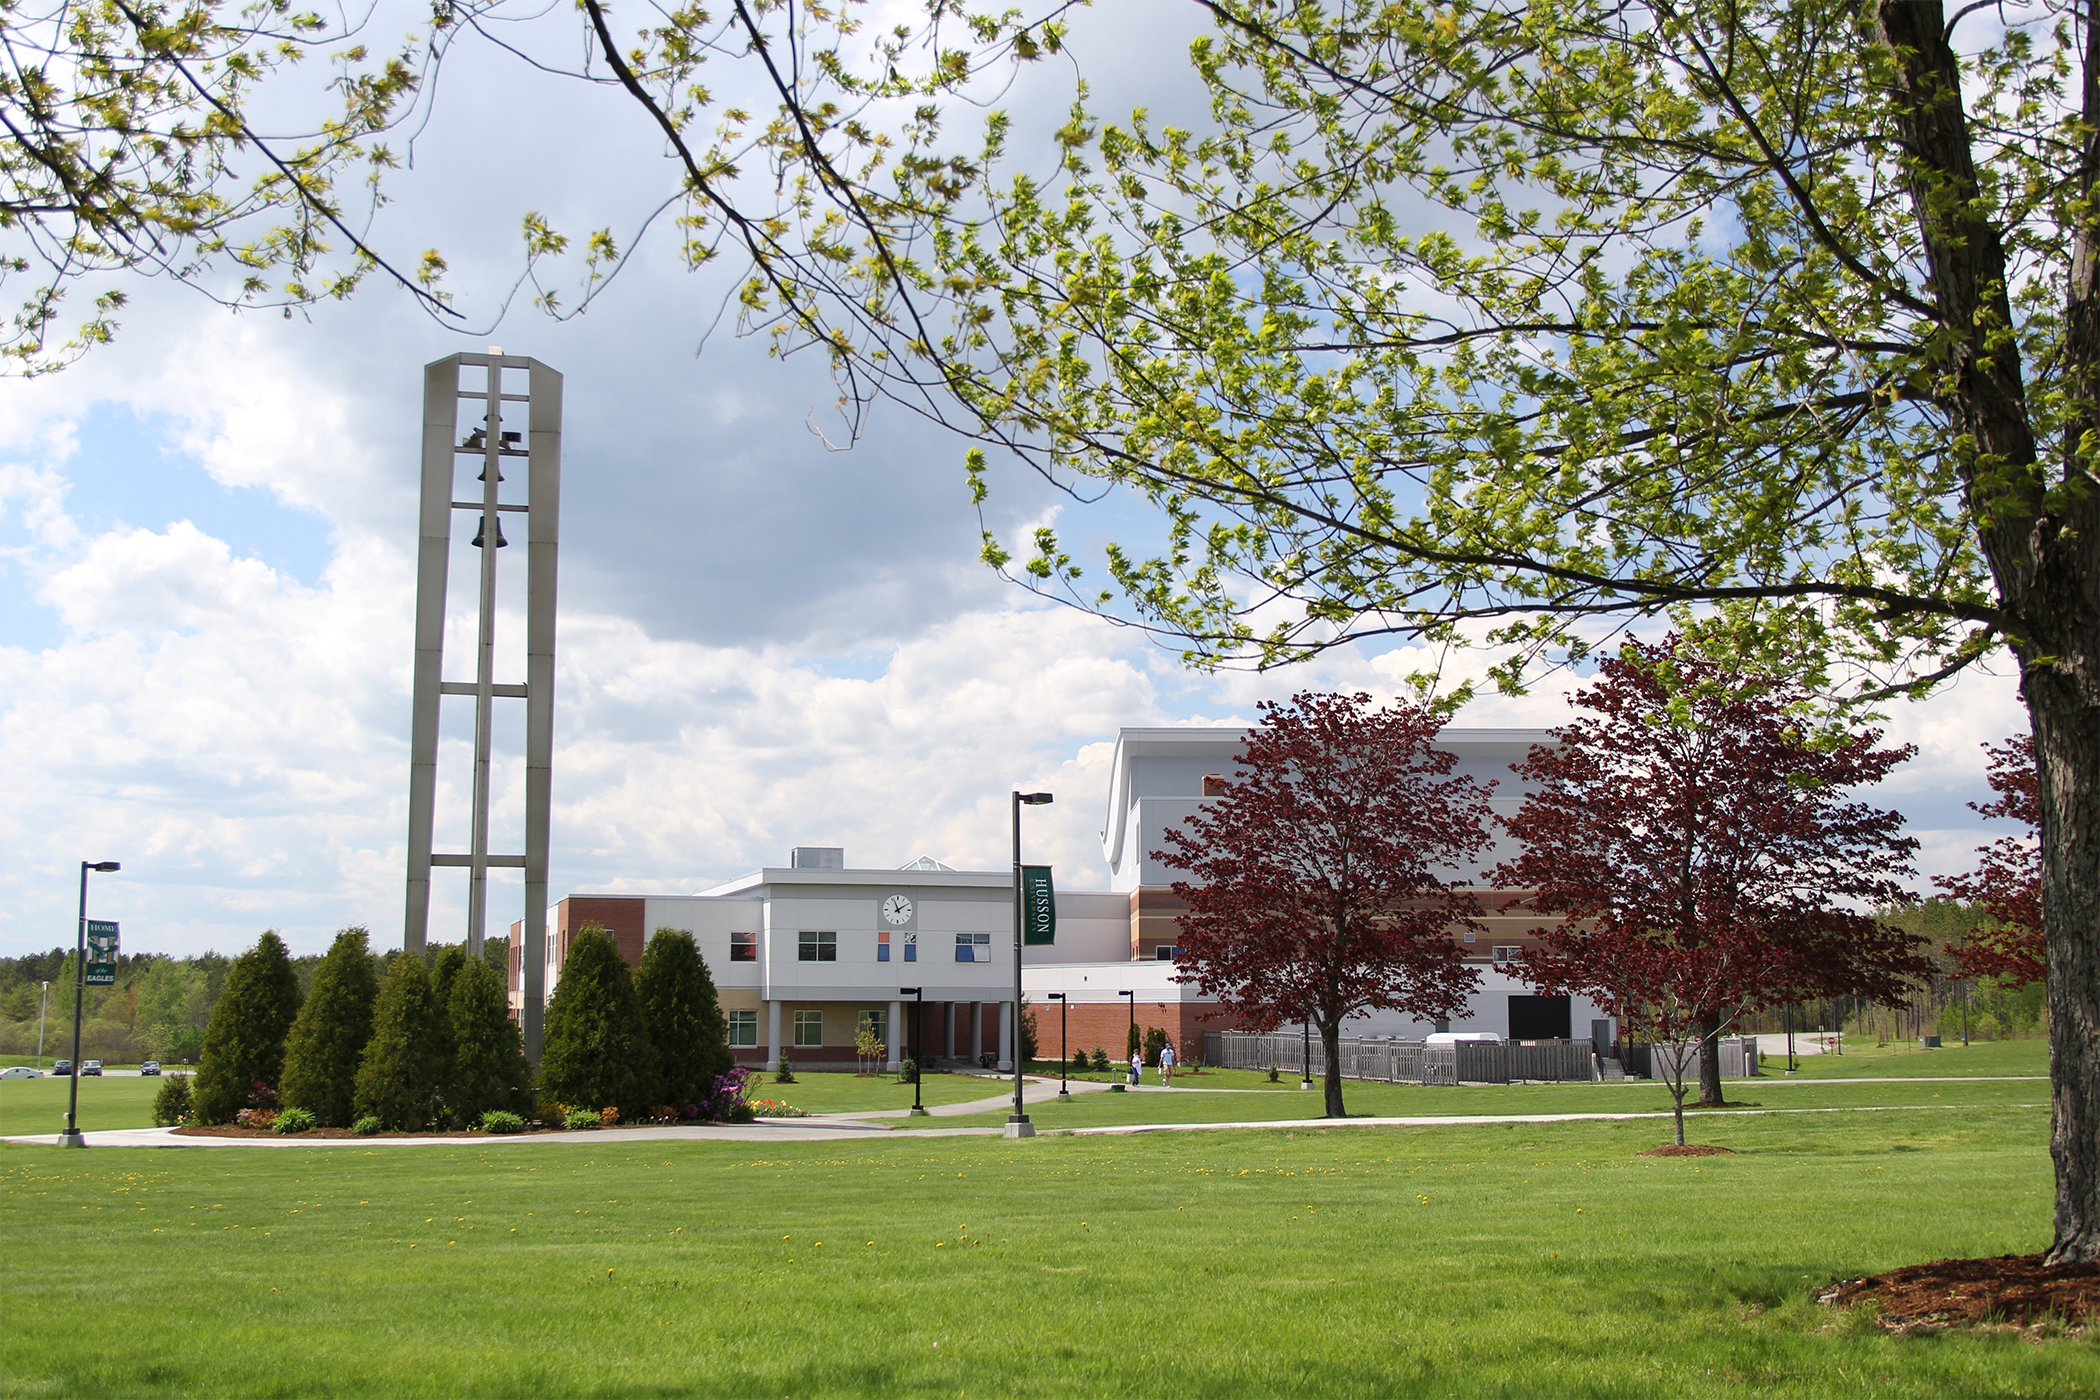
(848, 1093)
(1530, 1260)
(39, 1105)
(1864, 1059)
(1197, 1101)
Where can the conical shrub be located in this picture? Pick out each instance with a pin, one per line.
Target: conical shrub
(397, 1081)
(682, 1016)
(244, 1041)
(328, 1038)
(488, 1057)
(596, 1054)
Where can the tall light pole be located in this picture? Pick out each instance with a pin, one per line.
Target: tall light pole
(71, 1136)
(1064, 1051)
(918, 1057)
(1305, 1072)
(1017, 1125)
(43, 1005)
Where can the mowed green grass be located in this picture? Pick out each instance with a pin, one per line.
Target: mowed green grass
(814, 1092)
(1522, 1259)
(1199, 1100)
(39, 1105)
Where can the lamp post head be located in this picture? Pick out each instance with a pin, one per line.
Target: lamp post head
(1033, 799)
(105, 866)
(909, 991)
(1053, 996)
(1132, 995)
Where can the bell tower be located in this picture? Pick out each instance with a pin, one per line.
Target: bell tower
(515, 447)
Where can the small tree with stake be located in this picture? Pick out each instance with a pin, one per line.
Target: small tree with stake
(2007, 880)
(1316, 875)
(1695, 838)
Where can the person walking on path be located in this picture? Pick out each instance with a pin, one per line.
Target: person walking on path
(1137, 1066)
(1166, 1063)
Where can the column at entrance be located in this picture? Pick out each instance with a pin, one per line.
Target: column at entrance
(773, 1047)
(948, 1017)
(976, 1032)
(894, 1034)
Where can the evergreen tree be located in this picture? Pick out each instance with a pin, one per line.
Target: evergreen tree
(244, 1044)
(596, 1054)
(328, 1038)
(398, 1079)
(488, 1056)
(445, 963)
(682, 1018)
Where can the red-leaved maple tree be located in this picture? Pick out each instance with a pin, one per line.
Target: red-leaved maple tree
(2007, 880)
(1701, 849)
(1321, 881)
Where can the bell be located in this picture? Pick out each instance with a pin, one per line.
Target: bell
(481, 530)
(485, 473)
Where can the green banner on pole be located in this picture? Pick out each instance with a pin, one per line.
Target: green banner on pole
(1038, 905)
(101, 954)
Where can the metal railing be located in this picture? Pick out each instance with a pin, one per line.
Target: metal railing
(1396, 1061)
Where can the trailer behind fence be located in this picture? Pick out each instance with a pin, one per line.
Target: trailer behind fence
(1407, 1061)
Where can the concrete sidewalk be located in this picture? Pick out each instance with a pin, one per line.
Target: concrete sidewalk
(837, 1130)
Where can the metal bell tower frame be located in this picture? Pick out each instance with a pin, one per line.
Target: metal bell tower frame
(518, 429)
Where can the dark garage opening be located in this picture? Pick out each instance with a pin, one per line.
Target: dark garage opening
(1538, 1018)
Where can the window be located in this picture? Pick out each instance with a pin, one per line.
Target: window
(818, 947)
(1508, 952)
(882, 945)
(1166, 952)
(1472, 937)
(809, 1027)
(911, 947)
(878, 1022)
(743, 947)
(743, 1028)
(973, 947)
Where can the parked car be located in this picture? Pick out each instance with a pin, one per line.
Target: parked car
(61, 1066)
(93, 1067)
(151, 1067)
(21, 1072)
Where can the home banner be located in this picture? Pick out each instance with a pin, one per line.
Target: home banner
(101, 954)
(1038, 905)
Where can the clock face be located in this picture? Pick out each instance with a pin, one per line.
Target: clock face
(896, 909)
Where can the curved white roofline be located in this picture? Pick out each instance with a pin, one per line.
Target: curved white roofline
(1133, 743)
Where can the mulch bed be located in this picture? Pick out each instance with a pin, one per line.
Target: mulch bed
(2012, 1289)
(1690, 1149)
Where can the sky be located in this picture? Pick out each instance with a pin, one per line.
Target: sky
(207, 535)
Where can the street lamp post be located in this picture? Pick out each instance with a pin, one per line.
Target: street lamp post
(918, 1040)
(1064, 1051)
(1305, 1073)
(71, 1136)
(1127, 1039)
(1017, 1125)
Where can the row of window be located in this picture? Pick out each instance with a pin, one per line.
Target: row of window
(1504, 952)
(813, 945)
(809, 1028)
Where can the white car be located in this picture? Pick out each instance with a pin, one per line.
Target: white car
(21, 1072)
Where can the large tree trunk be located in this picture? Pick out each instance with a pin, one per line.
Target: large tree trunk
(2044, 555)
(1710, 1062)
(2067, 760)
(1331, 1042)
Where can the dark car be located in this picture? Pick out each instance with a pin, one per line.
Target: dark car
(61, 1066)
(93, 1067)
(150, 1068)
